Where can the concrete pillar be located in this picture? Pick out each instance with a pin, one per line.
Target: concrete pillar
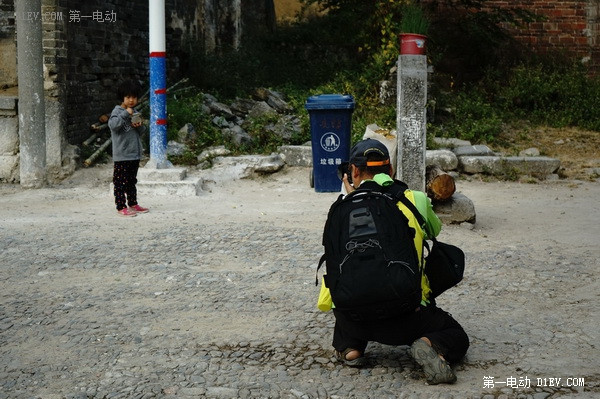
(32, 110)
(411, 121)
(55, 125)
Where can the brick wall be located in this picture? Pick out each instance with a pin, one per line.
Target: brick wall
(571, 27)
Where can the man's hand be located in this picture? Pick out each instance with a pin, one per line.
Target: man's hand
(349, 187)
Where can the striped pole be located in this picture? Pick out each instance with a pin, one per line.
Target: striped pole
(158, 86)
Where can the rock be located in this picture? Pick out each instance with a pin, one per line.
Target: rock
(593, 171)
(530, 152)
(221, 109)
(534, 166)
(457, 209)
(187, 133)
(261, 94)
(242, 106)
(209, 98)
(261, 109)
(246, 166)
(273, 99)
(473, 150)
(277, 103)
(213, 152)
(450, 142)
(219, 121)
(175, 148)
(237, 135)
(296, 155)
(286, 127)
(444, 159)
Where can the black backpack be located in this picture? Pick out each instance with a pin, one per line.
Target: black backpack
(373, 270)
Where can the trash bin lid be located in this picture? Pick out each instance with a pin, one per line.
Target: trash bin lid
(329, 101)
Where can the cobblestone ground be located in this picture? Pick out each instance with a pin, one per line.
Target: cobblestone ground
(214, 296)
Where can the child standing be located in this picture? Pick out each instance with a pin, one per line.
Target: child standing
(126, 148)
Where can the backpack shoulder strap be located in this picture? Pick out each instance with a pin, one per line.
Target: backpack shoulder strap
(397, 190)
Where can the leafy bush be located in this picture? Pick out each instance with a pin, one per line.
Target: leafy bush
(472, 118)
(555, 95)
(187, 109)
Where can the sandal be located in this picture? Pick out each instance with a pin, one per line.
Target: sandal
(358, 362)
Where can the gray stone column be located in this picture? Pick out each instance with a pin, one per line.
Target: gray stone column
(411, 121)
(32, 112)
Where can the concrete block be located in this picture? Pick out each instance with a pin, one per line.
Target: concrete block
(296, 155)
(184, 188)
(8, 103)
(247, 165)
(450, 142)
(534, 166)
(480, 164)
(444, 159)
(9, 168)
(473, 150)
(9, 135)
(166, 175)
(457, 209)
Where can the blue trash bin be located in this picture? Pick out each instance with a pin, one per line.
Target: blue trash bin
(330, 127)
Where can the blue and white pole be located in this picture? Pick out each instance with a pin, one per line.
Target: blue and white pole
(158, 86)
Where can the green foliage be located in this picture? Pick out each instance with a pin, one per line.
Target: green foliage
(549, 93)
(472, 118)
(263, 139)
(414, 20)
(552, 94)
(188, 109)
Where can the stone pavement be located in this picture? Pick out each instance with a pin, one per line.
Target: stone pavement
(214, 297)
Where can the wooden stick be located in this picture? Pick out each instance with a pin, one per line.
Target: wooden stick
(90, 139)
(99, 151)
(99, 126)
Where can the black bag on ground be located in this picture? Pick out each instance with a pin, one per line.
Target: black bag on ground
(445, 263)
(372, 265)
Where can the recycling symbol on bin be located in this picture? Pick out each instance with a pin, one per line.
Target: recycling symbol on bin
(330, 142)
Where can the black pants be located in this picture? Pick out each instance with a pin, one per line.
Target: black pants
(124, 181)
(445, 334)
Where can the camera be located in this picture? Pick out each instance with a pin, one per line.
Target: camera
(344, 167)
